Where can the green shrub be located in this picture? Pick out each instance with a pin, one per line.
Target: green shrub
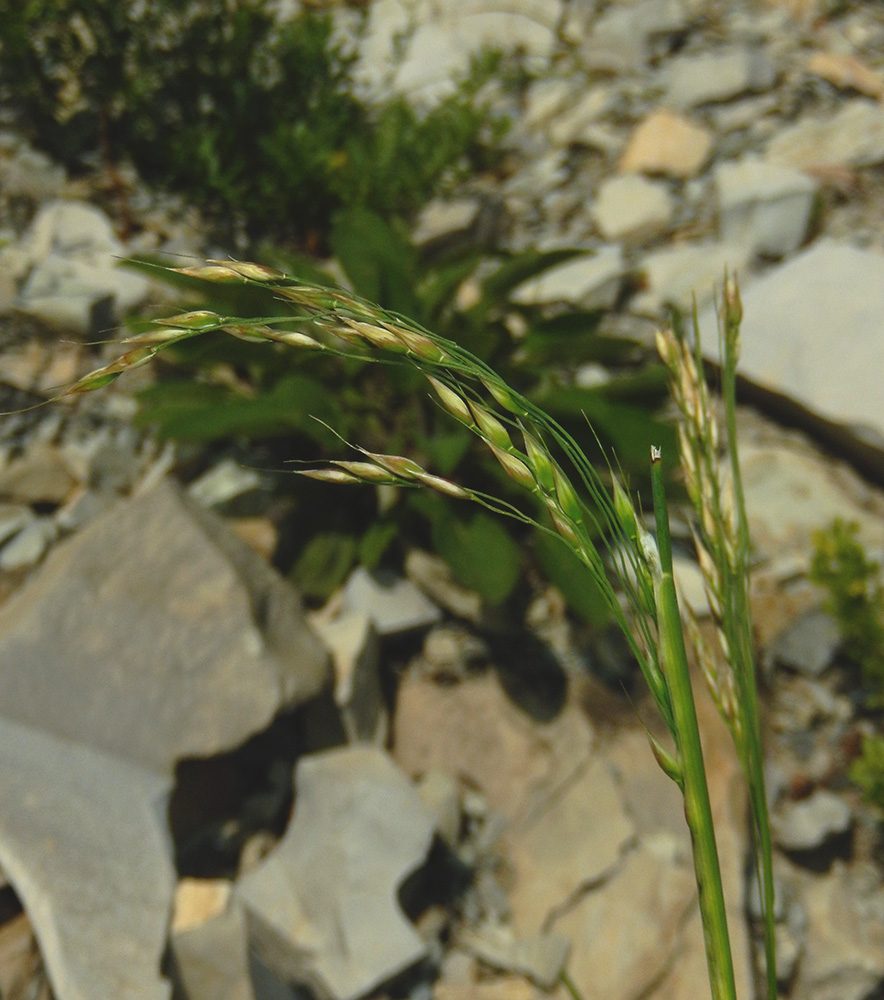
(253, 121)
(855, 598)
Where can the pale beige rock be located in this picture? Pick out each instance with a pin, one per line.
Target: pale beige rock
(474, 732)
(573, 840)
(40, 476)
(197, 900)
(846, 72)
(624, 932)
(669, 144)
(844, 951)
(496, 988)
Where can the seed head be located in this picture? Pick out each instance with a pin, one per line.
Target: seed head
(367, 472)
(541, 462)
(491, 429)
(513, 466)
(444, 486)
(250, 271)
(454, 403)
(329, 476)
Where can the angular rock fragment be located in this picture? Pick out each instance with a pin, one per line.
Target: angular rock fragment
(323, 906)
(153, 635)
(83, 839)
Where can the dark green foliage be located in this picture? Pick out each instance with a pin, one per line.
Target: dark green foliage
(855, 598)
(253, 121)
(223, 388)
(867, 771)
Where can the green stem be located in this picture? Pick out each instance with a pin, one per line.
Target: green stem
(698, 811)
(744, 659)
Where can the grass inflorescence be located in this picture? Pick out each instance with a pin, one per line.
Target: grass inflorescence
(590, 511)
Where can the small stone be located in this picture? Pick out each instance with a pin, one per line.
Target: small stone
(570, 125)
(198, 900)
(13, 517)
(813, 822)
(212, 962)
(624, 37)
(666, 143)
(540, 957)
(632, 208)
(592, 282)
(73, 254)
(433, 576)
(441, 795)
(852, 137)
(39, 476)
(678, 274)
(27, 173)
(574, 840)
(808, 645)
(29, 546)
(625, 932)
(440, 219)
(847, 72)
(224, 482)
(764, 206)
(718, 76)
(326, 899)
(393, 604)
(352, 640)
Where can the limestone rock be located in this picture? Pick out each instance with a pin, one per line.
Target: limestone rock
(593, 281)
(666, 143)
(632, 208)
(83, 839)
(763, 206)
(680, 274)
(391, 603)
(473, 732)
(624, 931)
(718, 76)
(852, 137)
(71, 255)
(847, 72)
(572, 840)
(169, 637)
(809, 824)
(323, 904)
(813, 330)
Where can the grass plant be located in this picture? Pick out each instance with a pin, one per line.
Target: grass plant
(592, 513)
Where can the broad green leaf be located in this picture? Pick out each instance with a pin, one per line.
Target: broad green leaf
(375, 542)
(563, 569)
(379, 262)
(481, 555)
(324, 564)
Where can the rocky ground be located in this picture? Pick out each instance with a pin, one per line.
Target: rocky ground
(473, 812)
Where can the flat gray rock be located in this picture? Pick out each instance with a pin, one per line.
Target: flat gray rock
(813, 330)
(852, 137)
(592, 281)
(392, 603)
(71, 257)
(324, 903)
(763, 206)
(632, 208)
(83, 839)
(808, 645)
(812, 822)
(421, 49)
(154, 634)
(718, 76)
